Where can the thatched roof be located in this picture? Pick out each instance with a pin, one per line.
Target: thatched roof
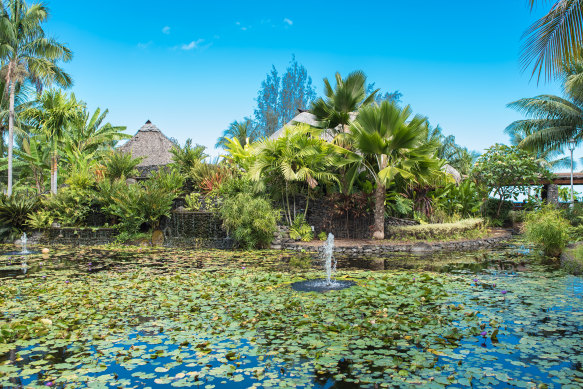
(309, 118)
(150, 143)
(452, 172)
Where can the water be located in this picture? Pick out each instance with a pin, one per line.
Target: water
(23, 241)
(329, 283)
(539, 340)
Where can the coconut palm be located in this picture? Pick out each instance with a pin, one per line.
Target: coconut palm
(342, 102)
(53, 113)
(243, 131)
(391, 144)
(552, 120)
(553, 39)
(27, 55)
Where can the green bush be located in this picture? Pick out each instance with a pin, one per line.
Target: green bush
(490, 209)
(193, 201)
(121, 165)
(70, 206)
(322, 235)
(300, 230)
(135, 204)
(467, 228)
(573, 261)
(548, 229)
(14, 213)
(40, 219)
(250, 219)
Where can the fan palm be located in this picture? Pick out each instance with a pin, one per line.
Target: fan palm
(53, 113)
(341, 102)
(27, 55)
(392, 144)
(553, 39)
(243, 131)
(553, 120)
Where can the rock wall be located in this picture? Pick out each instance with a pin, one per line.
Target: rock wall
(196, 229)
(78, 236)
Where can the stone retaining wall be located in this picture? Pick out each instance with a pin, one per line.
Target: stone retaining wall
(78, 236)
(385, 249)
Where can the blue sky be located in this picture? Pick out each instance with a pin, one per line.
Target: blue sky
(193, 67)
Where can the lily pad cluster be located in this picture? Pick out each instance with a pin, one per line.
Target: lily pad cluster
(166, 317)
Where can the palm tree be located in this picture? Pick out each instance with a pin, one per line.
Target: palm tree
(299, 156)
(27, 55)
(391, 145)
(243, 131)
(342, 102)
(185, 158)
(553, 120)
(553, 39)
(53, 113)
(87, 133)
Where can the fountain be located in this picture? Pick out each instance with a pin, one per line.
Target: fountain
(324, 285)
(23, 247)
(23, 240)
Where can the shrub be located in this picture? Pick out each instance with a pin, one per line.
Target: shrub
(463, 228)
(322, 235)
(548, 229)
(251, 220)
(14, 212)
(39, 220)
(193, 201)
(490, 211)
(119, 164)
(185, 158)
(71, 205)
(300, 230)
(573, 261)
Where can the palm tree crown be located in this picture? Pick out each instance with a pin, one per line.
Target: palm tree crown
(27, 54)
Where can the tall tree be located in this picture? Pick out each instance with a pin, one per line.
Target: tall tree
(280, 98)
(266, 117)
(391, 143)
(54, 111)
(27, 55)
(553, 39)
(244, 131)
(296, 92)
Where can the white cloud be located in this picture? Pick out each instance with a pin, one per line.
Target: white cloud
(288, 21)
(144, 45)
(192, 45)
(166, 30)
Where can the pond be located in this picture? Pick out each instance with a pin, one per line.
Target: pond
(148, 317)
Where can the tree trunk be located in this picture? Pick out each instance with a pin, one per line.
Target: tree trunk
(379, 211)
(379, 204)
(54, 174)
(10, 138)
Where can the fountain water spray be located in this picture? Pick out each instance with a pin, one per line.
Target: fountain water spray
(23, 240)
(328, 256)
(328, 284)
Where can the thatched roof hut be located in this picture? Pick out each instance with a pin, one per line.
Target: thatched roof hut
(151, 144)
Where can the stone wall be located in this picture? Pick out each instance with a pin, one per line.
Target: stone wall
(322, 218)
(359, 251)
(78, 236)
(195, 229)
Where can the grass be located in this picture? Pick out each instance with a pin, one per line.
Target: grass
(463, 229)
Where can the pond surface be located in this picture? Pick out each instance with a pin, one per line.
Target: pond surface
(134, 318)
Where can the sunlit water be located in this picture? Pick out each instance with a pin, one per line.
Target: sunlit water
(540, 342)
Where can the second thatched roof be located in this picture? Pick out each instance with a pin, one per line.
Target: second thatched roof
(151, 144)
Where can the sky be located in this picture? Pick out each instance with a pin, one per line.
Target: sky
(193, 67)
